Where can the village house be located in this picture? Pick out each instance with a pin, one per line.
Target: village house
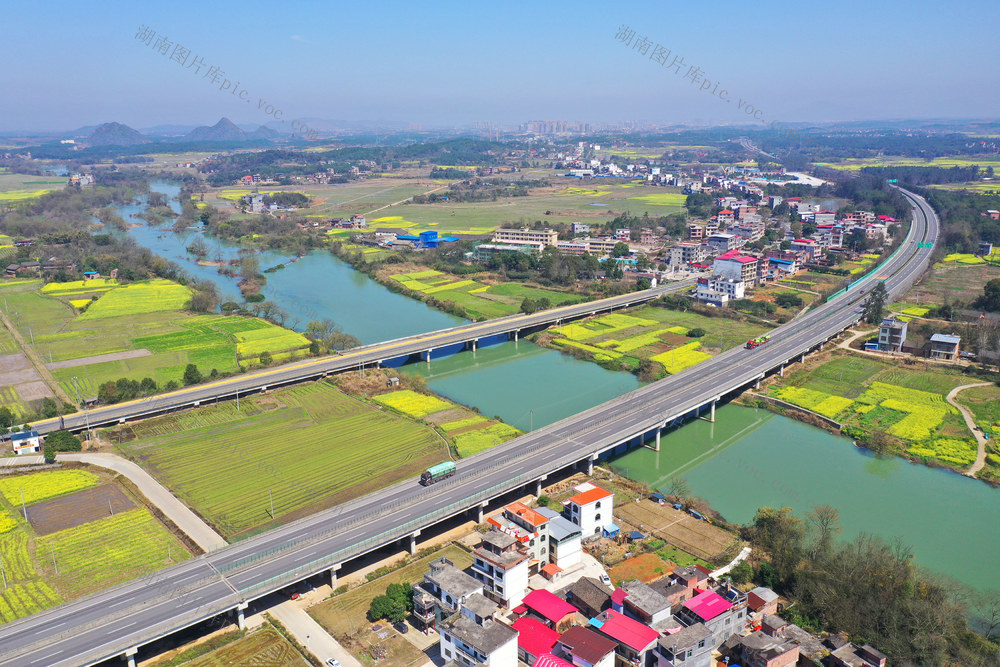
(527, 526)
(583, 647)
(565, 548)
(548, 608)
(474, 637)
(635, 640)
(689, 647)
(534, 639)
(850, 655)
(644, 604)
(26, 442)
(590, 596)
(443, 589)
(591, 508)
(502, 568)
(944, 346)
(891, 335)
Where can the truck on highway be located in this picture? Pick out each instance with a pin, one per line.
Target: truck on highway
(758, 341)
(437, 473)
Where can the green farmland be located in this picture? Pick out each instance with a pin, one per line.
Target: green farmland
(143, 325)
(870, 396)
(91, 556)
(479, 300)
(308, 448)
(625, 340)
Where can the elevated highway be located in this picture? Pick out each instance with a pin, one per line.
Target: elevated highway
(117, 621)
(423, 346)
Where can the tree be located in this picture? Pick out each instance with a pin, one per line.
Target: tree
(544, 303)
(990, 300)
(679, 488)
(620, 249)
(49, 408)
(108, 393)
(875, 305)
(642, 262)
(192, 375)
(6, 417)
(265, 358)
(49, 453)
(63, 441)
(528, 305)
(779, 533)
(147, 386)
(402, 594)
(383, 606)
(788, 300)
(741, 572)
(198, 247)
(642, 284)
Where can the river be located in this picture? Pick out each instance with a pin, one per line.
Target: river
(750, 458)
(747, 459)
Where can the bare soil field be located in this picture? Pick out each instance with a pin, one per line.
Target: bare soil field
(78, 508)
(676, 527)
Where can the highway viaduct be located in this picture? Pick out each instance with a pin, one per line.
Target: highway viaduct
(120, 620)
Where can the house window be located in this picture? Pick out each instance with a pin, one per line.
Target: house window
(445, 636)
(597, 505)
(701, 644)
(447, 653)
(597, 517)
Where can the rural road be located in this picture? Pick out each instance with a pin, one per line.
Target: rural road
(970, 421)
(311, 634)
(189, 522)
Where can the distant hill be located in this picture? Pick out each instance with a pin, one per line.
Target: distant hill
(115, 134)
(227, 130)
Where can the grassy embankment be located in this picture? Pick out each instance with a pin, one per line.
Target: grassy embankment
(43, 571)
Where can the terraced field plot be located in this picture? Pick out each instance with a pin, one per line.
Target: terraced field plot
(872, 395)
(480, 300)
(624, 340)
(470, 433)
(308, 447)
(99, 552)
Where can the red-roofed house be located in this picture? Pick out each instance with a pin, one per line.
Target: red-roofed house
(585, 648)
(534, 639)
(528, 527)
(551, 609)
(635, 640)
(810, 247)
(725, 216)
(734, 265)
(549, 660)
(591, 509)
(718, 614)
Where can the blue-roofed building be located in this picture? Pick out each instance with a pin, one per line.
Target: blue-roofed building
(945, 346)
(565, 539)
(26, 442)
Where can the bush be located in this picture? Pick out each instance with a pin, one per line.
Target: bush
(265, 358)
(192, 375)
(697, 332)
(255, 298)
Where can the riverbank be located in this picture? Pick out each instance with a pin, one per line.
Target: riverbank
(896, 406)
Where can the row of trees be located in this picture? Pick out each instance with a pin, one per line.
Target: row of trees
(868, 588)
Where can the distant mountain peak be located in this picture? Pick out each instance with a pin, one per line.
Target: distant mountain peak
(116, 134)
(224, 130)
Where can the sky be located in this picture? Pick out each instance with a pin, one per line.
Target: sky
(72, 64)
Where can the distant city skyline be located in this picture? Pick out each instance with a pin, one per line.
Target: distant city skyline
(455, 64)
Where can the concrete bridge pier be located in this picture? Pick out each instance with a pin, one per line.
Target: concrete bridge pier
(427, 356)
(479, 512)
(129, 655)
(781, 370)
(802, 358)
(241, 621)
(538, 485)
(712, 416)
(413, 542)
(333, 576)
(515, 335)
(590, 463)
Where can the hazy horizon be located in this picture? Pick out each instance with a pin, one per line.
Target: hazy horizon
(454, 64)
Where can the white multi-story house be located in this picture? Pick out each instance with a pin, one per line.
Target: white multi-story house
(474, 637)
(502, 568)
(443, 590)
(565, 548)
(591, 509)
(529, 527)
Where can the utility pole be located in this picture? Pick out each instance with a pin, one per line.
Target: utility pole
(24, 509)
(271, 496)
(4, 573)
(54, 563)
(531, 421)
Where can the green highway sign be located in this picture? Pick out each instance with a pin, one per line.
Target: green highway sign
(925, 245)
(893, 180)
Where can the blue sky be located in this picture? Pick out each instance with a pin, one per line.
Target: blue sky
(442, 63)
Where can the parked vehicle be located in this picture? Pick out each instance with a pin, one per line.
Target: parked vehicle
(437, 473)
(758, 341)
(333, 662)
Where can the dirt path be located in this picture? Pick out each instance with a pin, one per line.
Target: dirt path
(971, 423)
(99, 359)
(36, 361)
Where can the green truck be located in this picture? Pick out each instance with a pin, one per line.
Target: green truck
(437, 473)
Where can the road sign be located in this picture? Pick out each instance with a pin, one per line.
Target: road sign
(925, 245)
(894, 180)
